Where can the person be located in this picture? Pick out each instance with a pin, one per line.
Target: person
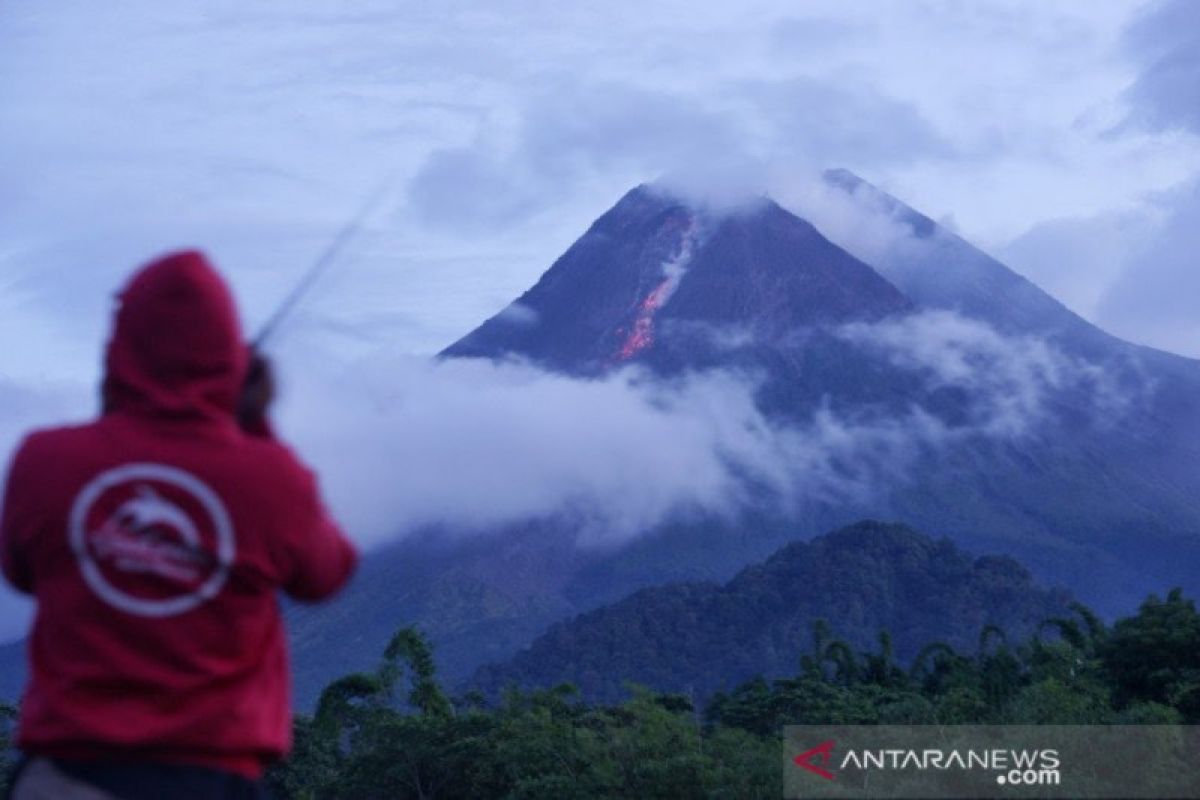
(155, 540)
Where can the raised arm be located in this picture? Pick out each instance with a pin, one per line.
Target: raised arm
(318, 558)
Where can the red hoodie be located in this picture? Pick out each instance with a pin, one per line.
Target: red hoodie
(155, 540)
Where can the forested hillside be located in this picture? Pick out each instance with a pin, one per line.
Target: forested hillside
(699, 638)
(394, 733)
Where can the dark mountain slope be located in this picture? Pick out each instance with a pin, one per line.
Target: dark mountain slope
(699, 638)
(1103, 484)
(651, 262)
(939, 269)
(1130, 480)
(1096, 488)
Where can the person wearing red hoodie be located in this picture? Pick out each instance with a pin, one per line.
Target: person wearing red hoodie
(155, 540)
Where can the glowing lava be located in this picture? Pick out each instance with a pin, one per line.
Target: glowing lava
(641, 333)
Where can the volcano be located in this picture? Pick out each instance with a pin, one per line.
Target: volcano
(652, 267)
(948, 391)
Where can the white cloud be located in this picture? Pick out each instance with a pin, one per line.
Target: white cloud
(1165, 41)
(1152, 299)
(470, 444)
(403, 442)
(1077, 259)
(856, 220)
(1008, 382)
(1135, 273)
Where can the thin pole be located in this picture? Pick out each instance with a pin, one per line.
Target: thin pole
(347, 232)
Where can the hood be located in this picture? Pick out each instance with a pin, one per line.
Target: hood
(176, 348)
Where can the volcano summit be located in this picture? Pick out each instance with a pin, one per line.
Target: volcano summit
(1009, 422)
(927, 385)
(652, 268)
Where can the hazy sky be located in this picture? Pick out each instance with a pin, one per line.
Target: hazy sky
(1063, 137)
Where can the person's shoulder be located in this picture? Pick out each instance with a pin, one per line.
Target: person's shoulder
(48, 443)
(278, 458)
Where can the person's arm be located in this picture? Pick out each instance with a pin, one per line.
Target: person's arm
(258, 392)
(318, 558)
(16, 522)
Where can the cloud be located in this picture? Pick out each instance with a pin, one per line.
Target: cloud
(839, 120)
(1165, 42)
(1077, 259)
(471, 444)
(1133, 273)
(404, 443)
(793, 36)
(519, 314)
(564, 135)
(857, 219)
(512, 127)
(719, 147)
(1153, 298)
(1008, 382)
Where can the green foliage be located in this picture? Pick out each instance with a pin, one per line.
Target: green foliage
(1155, 655)
(703, 638)
(410, 647)
(362, 743)
(8, 716)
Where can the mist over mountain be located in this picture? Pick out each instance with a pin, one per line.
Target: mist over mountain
(931, 386)
(959, 392)
(921, 382)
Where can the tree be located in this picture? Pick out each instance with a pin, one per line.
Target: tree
(410, 647)
(1155, 655)
(363, 742)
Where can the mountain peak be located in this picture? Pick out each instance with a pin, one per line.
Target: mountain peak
(655, 263)
(944, 271)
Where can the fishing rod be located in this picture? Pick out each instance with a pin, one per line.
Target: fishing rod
(336, 245)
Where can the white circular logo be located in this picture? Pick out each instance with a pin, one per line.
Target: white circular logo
(151, 539)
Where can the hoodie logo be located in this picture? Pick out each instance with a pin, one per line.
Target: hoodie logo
(151, 540)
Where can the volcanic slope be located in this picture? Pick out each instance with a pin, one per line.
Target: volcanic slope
(934, 387)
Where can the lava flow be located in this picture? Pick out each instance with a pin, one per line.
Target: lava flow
(641, 333)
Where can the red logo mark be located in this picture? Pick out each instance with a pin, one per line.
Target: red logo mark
(822, 754)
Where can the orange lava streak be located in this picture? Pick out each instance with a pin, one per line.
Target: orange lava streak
(642, 335)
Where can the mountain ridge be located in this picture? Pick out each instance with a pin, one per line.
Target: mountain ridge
(701, 638)
(1106, 502)
(653, 260)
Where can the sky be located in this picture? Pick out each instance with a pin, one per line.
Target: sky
(1062, 137)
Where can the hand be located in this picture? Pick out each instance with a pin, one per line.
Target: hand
(258, 391)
